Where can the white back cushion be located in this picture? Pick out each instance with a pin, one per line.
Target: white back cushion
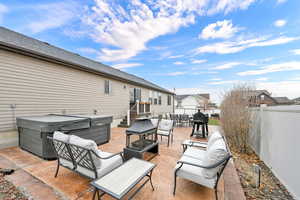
(214, 154)
(88, 144)
(165, 125)
(154, 122)
(213, 137)
(60, 136)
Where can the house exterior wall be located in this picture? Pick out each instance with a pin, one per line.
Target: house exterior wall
(30, 86)
(158, 109)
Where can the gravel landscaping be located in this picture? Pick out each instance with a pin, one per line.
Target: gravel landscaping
(8, 191)
(270, 186)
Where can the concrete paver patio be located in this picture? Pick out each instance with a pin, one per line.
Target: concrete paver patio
(36, 176)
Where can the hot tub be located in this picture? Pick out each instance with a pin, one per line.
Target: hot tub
(33, 131)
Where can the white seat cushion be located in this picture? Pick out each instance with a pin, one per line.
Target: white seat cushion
(195, 153)
(193, 173)
(88, 144)
(163, 132)
(60, 136)
(215, 153)
(66, 163)
(107, 165)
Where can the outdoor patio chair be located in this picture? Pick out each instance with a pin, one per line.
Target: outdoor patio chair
(83, 156)
(205, 168)
(165, 128)
(185, 120)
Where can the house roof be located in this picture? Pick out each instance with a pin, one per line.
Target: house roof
(282, 100)
(296, 99)
(258, 92)
(205, 95)
(180, 97)
(183, 96)
(22, 44)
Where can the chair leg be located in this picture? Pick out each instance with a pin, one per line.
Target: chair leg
(168, 140)
(216, 194)
(56, 173)
(174, 190)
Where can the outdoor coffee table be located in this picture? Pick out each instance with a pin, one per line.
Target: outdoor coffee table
(121, 180)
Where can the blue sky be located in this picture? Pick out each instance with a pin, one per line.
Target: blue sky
(191, 45)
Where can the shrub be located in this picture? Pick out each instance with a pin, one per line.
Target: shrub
(235, 116)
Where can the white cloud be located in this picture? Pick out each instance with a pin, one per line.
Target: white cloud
(288, 66)
(53, 15)
(220, 29)
(281, 1)
(229, 6)
(175, 73)
(262, 79)
(223, 82)
(177, 56)
(88, 50)
(198, 61)
(126, 65)
(227, 65)
(178, 63)
(280, 23)
(3, 10)
(127, 31)
(289, 89)
(215, 79)
(295, 51)
(229, 47)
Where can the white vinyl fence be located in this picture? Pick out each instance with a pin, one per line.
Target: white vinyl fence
(275, 136)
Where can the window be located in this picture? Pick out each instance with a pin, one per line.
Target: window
(262, 97)
(150, 97)
(138, 94)
(135, 95)
(169, 100)
(155, 98)
(107, 87)
(159, 98)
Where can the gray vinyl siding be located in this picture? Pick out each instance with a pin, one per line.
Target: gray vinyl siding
(39, 87)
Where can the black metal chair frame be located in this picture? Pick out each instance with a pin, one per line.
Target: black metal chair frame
(222, 162)
(78, 155)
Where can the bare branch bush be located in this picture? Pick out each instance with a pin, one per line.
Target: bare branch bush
(236, 117)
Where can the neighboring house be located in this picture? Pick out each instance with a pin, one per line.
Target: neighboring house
(257, 97)
(190, 103)
(37, 78)
(297, 101)
(283, 101)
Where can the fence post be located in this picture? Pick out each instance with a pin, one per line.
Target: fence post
(261, 124)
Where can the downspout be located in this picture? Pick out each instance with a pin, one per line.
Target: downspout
(174, 101)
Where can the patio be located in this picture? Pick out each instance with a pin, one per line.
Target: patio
(36, 176)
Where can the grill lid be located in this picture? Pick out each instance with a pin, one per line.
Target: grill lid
(141, 126)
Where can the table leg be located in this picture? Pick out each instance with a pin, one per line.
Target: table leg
(150, 177)
(94, 194)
